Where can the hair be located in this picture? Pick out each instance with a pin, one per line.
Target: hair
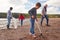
(38, 4)
(11, 8)
(46, 5)
(21, 14)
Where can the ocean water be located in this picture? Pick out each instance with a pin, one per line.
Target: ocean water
(14, 22)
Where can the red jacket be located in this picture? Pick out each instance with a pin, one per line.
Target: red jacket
(21, 17)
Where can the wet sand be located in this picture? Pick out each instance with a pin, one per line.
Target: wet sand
(22, 33)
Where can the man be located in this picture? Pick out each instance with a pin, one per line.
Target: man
(33, 17)
(44, 15)
(9, 17)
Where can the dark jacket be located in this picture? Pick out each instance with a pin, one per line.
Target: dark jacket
(33, 12)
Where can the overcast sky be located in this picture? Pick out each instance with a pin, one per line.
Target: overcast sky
(22, 6)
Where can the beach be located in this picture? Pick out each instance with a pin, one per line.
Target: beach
(51, 32)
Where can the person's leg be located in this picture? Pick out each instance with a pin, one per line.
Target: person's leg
(8, 23)
(47, 20)
(21, 22)
(42, 20)
(32, 26)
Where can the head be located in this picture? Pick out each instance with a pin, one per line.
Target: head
(11, 8)
(38, 5)
(21, 14)
(45, 5)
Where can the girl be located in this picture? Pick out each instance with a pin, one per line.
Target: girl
(21, 17)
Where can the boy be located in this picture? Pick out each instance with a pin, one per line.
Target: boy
(33, 17)
(44, 15)
(9, 17)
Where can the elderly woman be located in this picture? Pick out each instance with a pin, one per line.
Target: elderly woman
(44, 15)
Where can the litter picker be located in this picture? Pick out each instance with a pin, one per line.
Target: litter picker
(40, 29)
(38, 26)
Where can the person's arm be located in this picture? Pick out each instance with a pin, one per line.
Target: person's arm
(43, 11)
(30, 12)
(23, 17)
(10, 14)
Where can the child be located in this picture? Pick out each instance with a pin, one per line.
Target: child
(44, 15)
(21, 17)
(9, 16)
(33, 17)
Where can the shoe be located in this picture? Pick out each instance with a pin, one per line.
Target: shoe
(41, 34)
(30, 33)
(47, 25)
(33, 35)
(8, 27)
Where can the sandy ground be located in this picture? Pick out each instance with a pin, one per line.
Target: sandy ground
(22, 33)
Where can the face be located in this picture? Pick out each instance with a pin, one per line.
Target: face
(37, 7)
(46, 5)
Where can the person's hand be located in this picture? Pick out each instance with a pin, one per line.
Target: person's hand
(33, 17)
(42, 15)
(11, 17)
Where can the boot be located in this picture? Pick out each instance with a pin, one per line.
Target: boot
(8, 27)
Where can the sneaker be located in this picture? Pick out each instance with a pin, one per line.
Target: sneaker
(47, 25)
(8, 27)
(30, 33)
(33, 35)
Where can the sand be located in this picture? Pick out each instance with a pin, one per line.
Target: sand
(51, 32)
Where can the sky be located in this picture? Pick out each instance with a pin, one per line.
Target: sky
(23, 6)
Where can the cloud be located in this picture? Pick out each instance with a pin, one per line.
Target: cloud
(3, 5)
(18, 2)
(53, 10)
(18, 5)
(23, 6)
(53, 6)
(55, 3)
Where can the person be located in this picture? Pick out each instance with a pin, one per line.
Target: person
(33, 14)
(44, 15)
(9, 16)
(21, 17)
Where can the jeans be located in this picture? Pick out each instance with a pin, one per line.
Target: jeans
(21, 22)
(9, 20)
(45, 16)
(32, 25)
